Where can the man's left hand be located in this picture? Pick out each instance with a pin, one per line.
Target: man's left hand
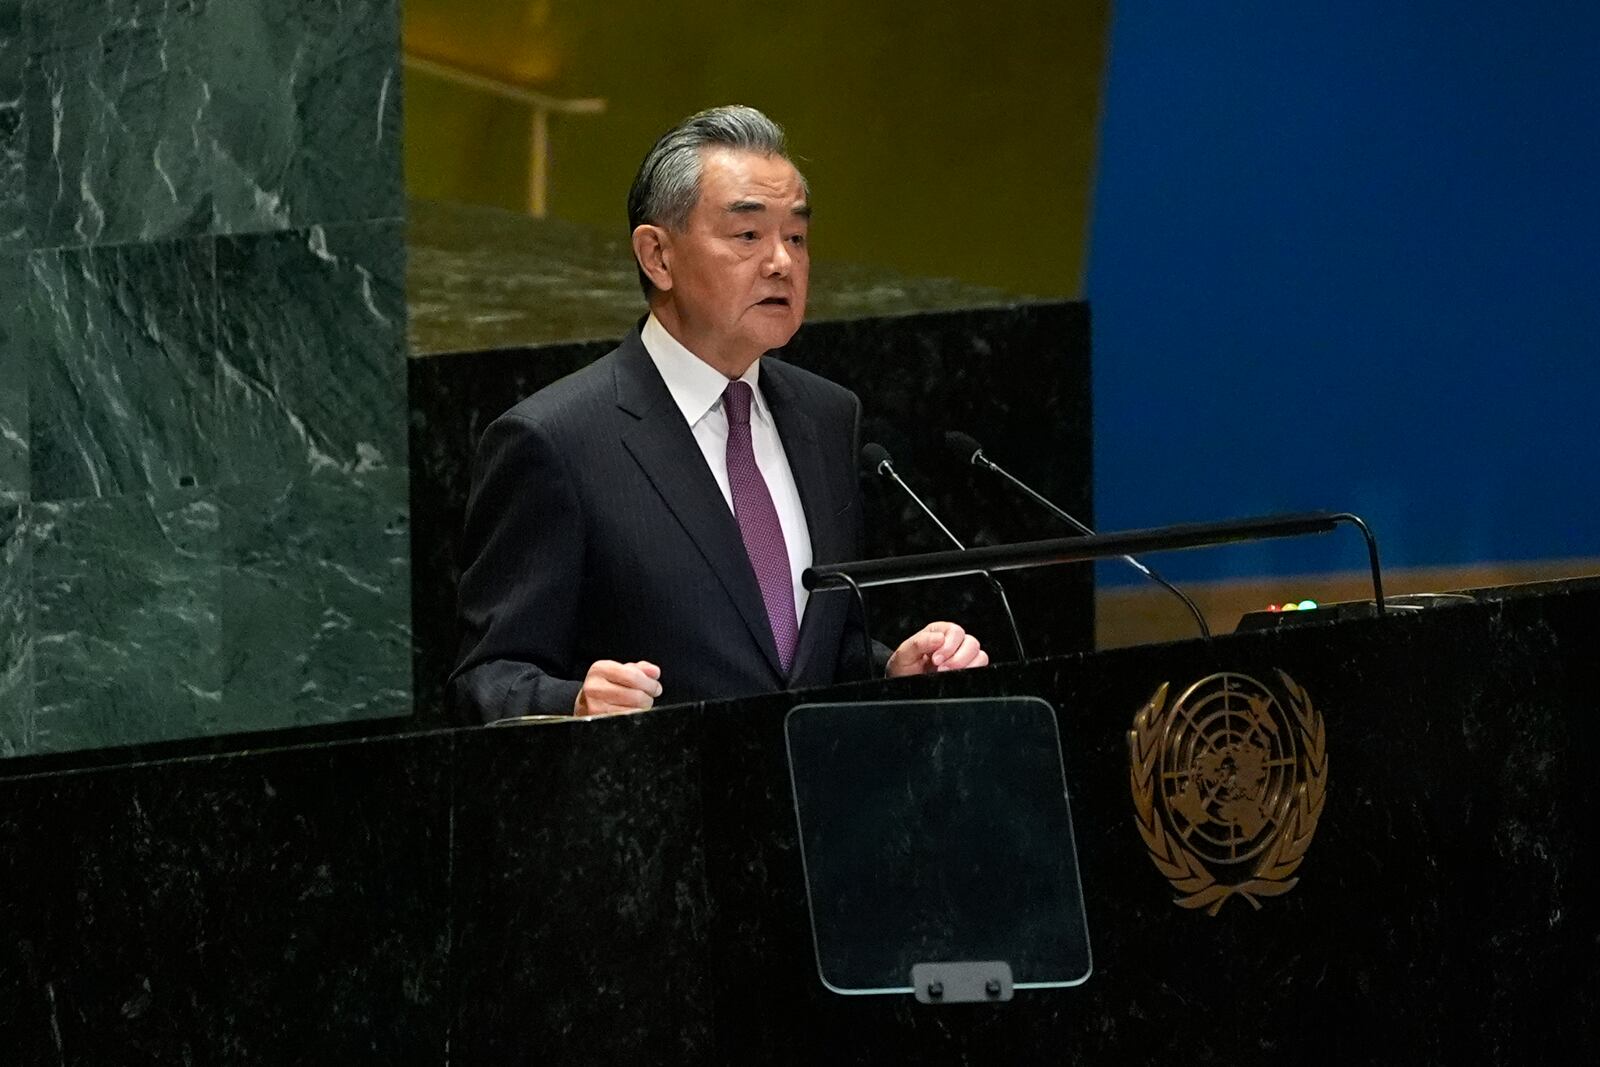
(938, 646)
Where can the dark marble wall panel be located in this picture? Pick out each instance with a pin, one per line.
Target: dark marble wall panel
(127, 632)
(13, 129)
(286, 908)
(119, 107)
(16, 344)
(315, 614)
(306, 106)
(16, 632)
(31, 884)
(532, 905)
(312, 366)
(120, 379)
(1018, 380)
(1524, 835)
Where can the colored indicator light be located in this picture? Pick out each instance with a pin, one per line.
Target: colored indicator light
(1307, 605)
(1291, 607)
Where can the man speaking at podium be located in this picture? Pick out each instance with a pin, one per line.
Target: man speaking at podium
(636, 531)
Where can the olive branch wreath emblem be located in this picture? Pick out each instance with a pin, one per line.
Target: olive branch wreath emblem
(1274, 872)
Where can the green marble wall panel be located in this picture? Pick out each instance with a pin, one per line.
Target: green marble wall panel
(164, 118)
(316, 611)
(16, 632)
(127, 632)
(118, 102)
(203, 469)
(15, 346)
(312, 368)
(306, 112)
(13, 132)
(311, 416)
(120, 383)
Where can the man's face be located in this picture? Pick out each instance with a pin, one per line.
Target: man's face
(739, 270)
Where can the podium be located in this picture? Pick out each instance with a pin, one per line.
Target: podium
(1415, 804)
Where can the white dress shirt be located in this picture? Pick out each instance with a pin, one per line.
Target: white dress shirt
(697, 388)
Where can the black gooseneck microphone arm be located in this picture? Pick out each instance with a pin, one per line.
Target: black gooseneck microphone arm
(968, 448)
(876, 458)
(866, 636)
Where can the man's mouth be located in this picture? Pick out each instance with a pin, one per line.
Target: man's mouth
(774, 301)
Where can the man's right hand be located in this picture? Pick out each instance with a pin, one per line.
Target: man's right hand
(611, 687)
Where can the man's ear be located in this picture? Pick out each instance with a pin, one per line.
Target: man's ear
(652, 248)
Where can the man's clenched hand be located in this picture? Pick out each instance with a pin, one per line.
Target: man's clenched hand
(938, 646)
(611, 688)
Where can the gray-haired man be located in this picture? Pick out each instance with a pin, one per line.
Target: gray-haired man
(636, 531)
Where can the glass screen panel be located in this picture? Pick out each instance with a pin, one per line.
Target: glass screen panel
(936, 831)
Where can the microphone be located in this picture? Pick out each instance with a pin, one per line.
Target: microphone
(968, 448)
(876, 458)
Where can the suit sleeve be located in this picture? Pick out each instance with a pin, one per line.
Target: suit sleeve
(851, 667)
(522, 555)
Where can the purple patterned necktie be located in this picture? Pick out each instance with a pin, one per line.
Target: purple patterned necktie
(758, 524)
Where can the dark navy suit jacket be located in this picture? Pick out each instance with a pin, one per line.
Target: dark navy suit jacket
(596, 531)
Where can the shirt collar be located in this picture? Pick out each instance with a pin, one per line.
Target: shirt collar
(696, 386)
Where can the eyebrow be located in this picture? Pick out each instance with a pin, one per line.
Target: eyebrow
(756, 207)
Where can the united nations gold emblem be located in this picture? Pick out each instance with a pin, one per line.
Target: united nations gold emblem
(1228, 784)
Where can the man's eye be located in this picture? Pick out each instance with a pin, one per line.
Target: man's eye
(748, 235)
(798, 240)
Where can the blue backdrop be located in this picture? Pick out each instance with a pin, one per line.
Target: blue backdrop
(1344, 256)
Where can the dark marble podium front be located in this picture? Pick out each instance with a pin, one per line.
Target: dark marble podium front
(630, 891)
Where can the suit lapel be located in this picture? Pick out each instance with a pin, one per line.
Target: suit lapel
(820, 499)
(661, 442)
(801, 444)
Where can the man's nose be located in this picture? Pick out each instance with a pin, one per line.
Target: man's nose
(779, 260)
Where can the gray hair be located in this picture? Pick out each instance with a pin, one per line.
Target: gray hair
(667, 186)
